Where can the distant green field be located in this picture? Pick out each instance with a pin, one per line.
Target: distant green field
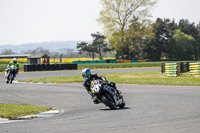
(119, 65)
(142, 78)
(100, 65)
(3, 66)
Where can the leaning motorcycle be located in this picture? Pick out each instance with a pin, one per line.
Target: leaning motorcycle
(10, 74)
(107, 94)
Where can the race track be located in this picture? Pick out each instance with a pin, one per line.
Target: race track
(149, 109)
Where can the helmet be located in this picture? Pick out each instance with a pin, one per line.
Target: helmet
(15, 60)
(86, 73)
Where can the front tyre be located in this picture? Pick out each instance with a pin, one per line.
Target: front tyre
(108, 101)
(11, 77)
(122, 105)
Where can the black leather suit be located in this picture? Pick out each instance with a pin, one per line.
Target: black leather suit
(87, 83)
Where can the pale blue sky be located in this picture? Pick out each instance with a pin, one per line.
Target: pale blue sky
(26, 21)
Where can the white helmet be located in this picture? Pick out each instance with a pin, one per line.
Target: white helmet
(86, 73)
(15, 60)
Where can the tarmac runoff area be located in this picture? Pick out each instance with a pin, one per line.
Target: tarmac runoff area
(49, 113)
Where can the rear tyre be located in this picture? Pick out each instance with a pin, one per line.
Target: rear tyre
(108, 101)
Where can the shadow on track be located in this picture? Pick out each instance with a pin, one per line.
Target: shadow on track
(108, 109)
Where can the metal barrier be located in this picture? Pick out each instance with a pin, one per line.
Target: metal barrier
(92, 61)
(195, 69)
(181, 67)
(171, 69)
(108, 61)
(49, 67)
(123, 61)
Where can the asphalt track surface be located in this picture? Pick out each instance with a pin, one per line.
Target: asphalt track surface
(149, 109)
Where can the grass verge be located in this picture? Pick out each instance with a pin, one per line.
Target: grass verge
(15, 110)
(119, 65)
(3, 66)
(142, 78)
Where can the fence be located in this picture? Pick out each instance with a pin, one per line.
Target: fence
(195, 69)
(49, 67)
(108, 61)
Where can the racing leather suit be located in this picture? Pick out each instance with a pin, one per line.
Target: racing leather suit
(16, 65)
(87, 84)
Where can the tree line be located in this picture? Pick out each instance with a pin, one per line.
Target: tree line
(129, 32)
(173, 41)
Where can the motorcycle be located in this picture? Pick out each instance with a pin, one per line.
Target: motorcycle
(107, 95)
(10, 74)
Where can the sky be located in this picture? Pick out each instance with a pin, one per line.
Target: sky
(32, 21)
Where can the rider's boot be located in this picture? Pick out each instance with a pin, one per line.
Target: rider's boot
(95, 100)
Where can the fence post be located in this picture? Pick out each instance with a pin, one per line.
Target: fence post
(178, 69)
(163, 68)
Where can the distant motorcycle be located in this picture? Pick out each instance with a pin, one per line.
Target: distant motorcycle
(10, 74)
(107, 94)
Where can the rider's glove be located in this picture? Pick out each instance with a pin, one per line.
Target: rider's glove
(104, 79)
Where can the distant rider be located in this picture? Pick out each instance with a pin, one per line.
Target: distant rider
(88, 77)
(16, 66)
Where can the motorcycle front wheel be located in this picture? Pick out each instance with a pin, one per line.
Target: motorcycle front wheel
(122, 105)
(108, 101)
(11, 78)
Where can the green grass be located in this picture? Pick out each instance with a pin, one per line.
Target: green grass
(152, 78)
(61, 79)
(120, 65)
(142, 78)
(3, 66)
(14, 110)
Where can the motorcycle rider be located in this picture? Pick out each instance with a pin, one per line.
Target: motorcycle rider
(16, 66)
(88, 77)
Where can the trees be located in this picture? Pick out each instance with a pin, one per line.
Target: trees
(99, 44)
(116, 17)
(85, 47)
(198, 40)
(183, 47)
(190, 29)
(158, 46)
(173, 41)
(139, 34)
(129, 32)
(96, 47)
(40, 50)
(7, 52)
